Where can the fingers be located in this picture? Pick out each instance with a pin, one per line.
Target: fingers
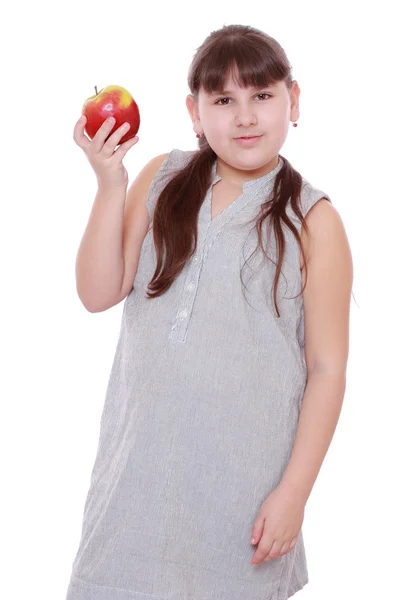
(114, 139)
(276, 551)
(104, 159)
(79, 136)
(102, 134)
(98, 143)
(264, 547)
(267, 551)
(123, 149)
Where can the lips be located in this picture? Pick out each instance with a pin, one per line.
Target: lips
(248, 142)
(246, 137)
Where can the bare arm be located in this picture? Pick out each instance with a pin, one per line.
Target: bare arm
(109, 253)
(99, 264)
(327, 313)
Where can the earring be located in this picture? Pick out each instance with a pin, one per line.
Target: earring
(294, 124)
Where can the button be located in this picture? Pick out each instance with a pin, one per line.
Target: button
(190, 286)
(183, 314)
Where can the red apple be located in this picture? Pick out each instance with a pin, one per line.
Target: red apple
(112, 101)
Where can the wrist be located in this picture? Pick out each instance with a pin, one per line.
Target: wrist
(297, 489)
(110, 189)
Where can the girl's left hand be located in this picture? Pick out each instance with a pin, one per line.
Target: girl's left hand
(277, 525)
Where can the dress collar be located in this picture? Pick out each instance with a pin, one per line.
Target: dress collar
(258, 180)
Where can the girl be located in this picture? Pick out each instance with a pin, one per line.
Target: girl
(224, 392)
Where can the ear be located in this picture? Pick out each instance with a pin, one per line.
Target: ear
(193, 109)
(294, 101)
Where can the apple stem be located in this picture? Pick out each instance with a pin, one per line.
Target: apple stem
(95, 89)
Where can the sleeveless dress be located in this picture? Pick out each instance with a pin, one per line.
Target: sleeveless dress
(199, 418)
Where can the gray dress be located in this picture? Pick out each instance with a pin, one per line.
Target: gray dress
(199, 419)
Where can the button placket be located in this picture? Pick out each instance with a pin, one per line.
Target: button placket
(218, 223)
(181, 323)
(189, 290)
(208, 231)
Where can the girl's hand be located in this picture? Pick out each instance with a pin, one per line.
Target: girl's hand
(100, 151)
(277, 525)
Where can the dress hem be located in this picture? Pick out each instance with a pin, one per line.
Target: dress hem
(292, 591)
(81, 590)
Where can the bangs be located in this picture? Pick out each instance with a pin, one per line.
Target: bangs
(249, 66)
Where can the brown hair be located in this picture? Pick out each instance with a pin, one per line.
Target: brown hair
(260, 61)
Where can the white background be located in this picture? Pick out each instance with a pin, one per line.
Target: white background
(57, 356)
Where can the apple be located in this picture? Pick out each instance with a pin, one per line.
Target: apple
(111, 101)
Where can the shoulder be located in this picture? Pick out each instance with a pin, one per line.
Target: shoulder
(327, 288)
(171, 162)
(310, 195)
(326, 245)
(316, 207)
(180, 158)
(320, 217)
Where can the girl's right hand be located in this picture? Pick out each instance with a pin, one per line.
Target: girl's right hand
(104, 159)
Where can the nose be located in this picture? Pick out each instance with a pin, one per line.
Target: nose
(245, 117)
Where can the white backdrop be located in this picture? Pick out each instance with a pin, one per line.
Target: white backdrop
(56, 356)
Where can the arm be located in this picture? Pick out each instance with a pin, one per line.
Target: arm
(109, 252)
(99, 265)
(326, 321)
(326, 337)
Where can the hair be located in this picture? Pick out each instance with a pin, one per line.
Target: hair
(260, 61)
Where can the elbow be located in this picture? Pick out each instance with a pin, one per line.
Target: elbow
(97, 308)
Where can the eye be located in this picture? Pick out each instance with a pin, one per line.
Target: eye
(219, 100)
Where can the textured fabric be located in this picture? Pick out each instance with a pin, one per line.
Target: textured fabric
(199, 418)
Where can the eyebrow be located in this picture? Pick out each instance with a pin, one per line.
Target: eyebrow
(261, 87)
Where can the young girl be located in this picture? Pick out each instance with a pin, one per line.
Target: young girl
(230, 368)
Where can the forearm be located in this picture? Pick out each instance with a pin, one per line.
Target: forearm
(100, 263)
(321, 406)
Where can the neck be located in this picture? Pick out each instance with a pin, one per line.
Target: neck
(237, 177)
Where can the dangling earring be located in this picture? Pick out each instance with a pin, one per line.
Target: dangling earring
(294, 124)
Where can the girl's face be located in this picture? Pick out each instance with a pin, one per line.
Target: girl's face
(236, 112)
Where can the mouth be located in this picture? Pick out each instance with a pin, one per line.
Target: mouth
(248, 140)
